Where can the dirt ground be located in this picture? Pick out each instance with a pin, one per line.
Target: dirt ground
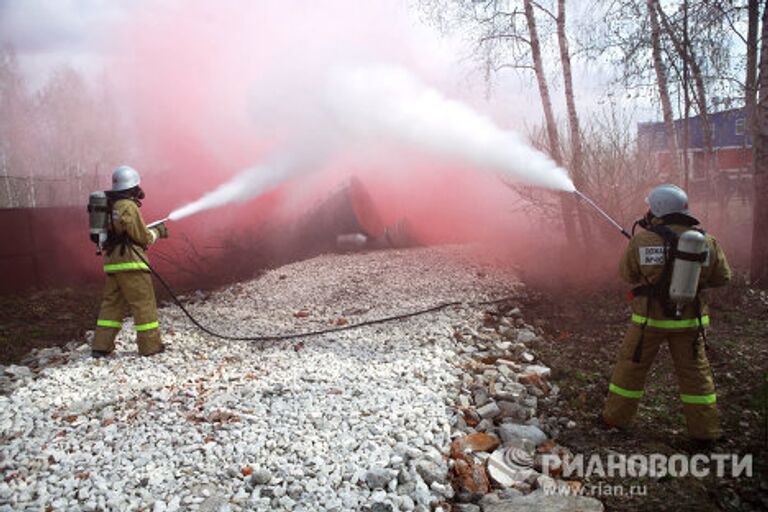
(57, 316)
(45, 319)
(584, 331)
(50, 318)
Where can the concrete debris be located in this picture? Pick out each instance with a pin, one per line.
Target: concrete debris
(525, 336)
(506, 473)
(539, 501)
(541, 371)
(435, 409)
(510, 432)
(509, 410)
(489, 410)
(515, 411)
(479, 442)
(379, 478)
(465, 507)
(431, 471)
(261, 477)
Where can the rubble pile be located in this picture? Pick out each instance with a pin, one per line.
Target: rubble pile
(499, 438)
(436, 412)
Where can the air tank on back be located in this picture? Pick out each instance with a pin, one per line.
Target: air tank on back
(98, 219)
(684, 284)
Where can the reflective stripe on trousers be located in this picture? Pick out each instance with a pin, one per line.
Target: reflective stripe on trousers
(109, 323)
(118, 325)
(687, 399)
(132, 265)
(699, 399)
(626, 393)
(148, 326)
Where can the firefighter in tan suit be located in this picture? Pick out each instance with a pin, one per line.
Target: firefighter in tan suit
(646, 263)
(129, 282)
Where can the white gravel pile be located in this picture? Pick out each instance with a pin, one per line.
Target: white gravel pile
(347, 421)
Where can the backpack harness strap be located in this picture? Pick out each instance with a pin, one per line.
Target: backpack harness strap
(660, 289)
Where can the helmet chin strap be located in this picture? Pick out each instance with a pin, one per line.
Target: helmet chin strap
(135, 194)
(644, 222)
(138, 196)
(647, 219)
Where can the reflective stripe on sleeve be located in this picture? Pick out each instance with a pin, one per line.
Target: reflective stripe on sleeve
(133, 265)
(146, 327)
(109, 323)
(670, 324)
(699, 399)
(627, 393)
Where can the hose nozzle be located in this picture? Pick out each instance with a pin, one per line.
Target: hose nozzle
(157, 222)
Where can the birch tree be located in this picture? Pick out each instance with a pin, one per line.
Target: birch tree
(577, 158)
(567, 201)
(750, 80)
(688, 58)
(661, 84)
(507, 36)
(759, 263)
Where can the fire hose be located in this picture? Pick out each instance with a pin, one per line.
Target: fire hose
(279, 337)
(602, 212)
(366, 323)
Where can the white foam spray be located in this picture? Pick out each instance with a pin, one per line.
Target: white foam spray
(251, 182)
(378, 105)
(389, 102)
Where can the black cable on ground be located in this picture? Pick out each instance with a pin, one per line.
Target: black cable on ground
(279, 337)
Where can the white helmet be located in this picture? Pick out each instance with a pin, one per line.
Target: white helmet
(124, 177)
(666, 199)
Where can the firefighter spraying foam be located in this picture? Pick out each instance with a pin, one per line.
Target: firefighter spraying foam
(118, 229)
(671, 262)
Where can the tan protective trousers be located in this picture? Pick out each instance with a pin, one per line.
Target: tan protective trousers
(694, 378)
(123, 290)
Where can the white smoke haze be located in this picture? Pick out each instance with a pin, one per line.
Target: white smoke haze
(278, 167)
(389, 105)
(343, 82)
(246, 185)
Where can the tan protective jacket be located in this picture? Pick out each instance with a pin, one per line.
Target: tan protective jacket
(126, 218)
(643, 263)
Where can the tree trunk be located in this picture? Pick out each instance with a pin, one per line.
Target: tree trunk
(566, 199)
(700, 97)
(750, 85)
(685, 52)
(577, 158)
(541, 79)
(759, 264)
(661, 81)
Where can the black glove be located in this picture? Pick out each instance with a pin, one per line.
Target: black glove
(162, 230)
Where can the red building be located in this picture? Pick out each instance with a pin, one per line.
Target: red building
(726, 170)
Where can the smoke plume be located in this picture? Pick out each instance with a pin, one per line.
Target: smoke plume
(391, 103)
(388, 105)
(251, 113)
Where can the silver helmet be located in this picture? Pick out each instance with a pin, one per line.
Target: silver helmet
(124, 177)
(666, 199)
